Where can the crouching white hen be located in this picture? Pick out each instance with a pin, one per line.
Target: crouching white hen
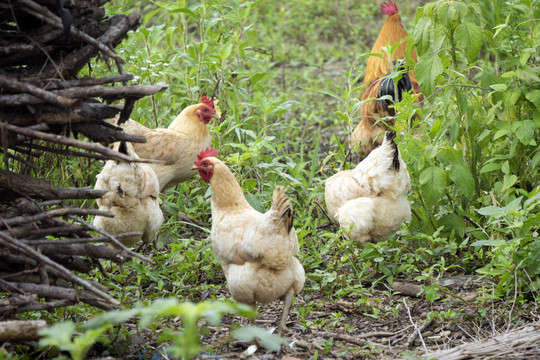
(133, 190)
(371, 199)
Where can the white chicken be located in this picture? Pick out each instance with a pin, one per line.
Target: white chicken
(370, 200)
(133, 190)
(257, 251)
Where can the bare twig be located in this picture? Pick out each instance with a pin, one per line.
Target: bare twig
(112, 239)
(418, 332)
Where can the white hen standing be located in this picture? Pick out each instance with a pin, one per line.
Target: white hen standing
(257, 251)
(371, 199)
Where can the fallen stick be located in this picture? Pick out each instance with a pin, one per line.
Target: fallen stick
(59, 292)
(21, 330)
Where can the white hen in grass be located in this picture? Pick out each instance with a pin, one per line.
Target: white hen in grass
(371, 199)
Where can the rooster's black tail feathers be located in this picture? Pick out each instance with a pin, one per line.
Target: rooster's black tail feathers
(390, 136)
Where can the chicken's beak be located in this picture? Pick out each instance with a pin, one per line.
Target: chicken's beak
(194, 167)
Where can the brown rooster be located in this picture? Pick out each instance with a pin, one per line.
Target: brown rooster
(369, 132)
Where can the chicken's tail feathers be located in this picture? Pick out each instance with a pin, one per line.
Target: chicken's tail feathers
(283, 209)
(390, 137)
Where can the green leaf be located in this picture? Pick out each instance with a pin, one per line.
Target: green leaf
(427, 70)
(255, 203)
(492, 211)
(471, 38)
(528, 75)
(490, 167)
(433, 181)
(453, 222)
(491, 242)
(185, 11)
(462, 177)
(534, 97)
(533, 260)
(511, 97)
(509, 181)
(447, 15)
(269, 341)
(499, 87)
(525, 131)
(422, 34)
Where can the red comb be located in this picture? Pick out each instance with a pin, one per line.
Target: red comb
(207, 153)
(389, 8)
(206, 100)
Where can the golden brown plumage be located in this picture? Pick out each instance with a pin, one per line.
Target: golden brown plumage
(177, 145)
(368, 132)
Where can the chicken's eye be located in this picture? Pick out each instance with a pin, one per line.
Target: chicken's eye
(205, 163)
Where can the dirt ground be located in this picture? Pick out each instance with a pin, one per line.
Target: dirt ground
(356, 335)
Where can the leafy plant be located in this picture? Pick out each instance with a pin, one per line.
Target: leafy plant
(77, 340)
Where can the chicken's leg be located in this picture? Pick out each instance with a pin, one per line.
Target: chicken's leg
(286, 305)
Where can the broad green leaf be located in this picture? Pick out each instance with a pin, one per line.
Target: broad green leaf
(511, 97)
(528, 75)
(462, 177)
(491, 242)
(427, 70)
(433, 181)
(493, 211)
(453, 222)
(422, 34)
(471, 38)
(533, 260)
(505, 167)
(509, 181)
(255, 203)
(499, 87)
(185, 11)
(269, 341)
(534, 97)
(447, 15)
(525, 131)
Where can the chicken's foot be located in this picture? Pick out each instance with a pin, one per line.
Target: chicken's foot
(282, 330)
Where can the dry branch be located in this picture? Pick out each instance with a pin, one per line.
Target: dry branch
(111, 93)
(21, 330)
(93, 251)
(42, 189)
(44, 95)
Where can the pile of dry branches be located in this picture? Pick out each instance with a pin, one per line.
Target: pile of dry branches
(44, 108)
